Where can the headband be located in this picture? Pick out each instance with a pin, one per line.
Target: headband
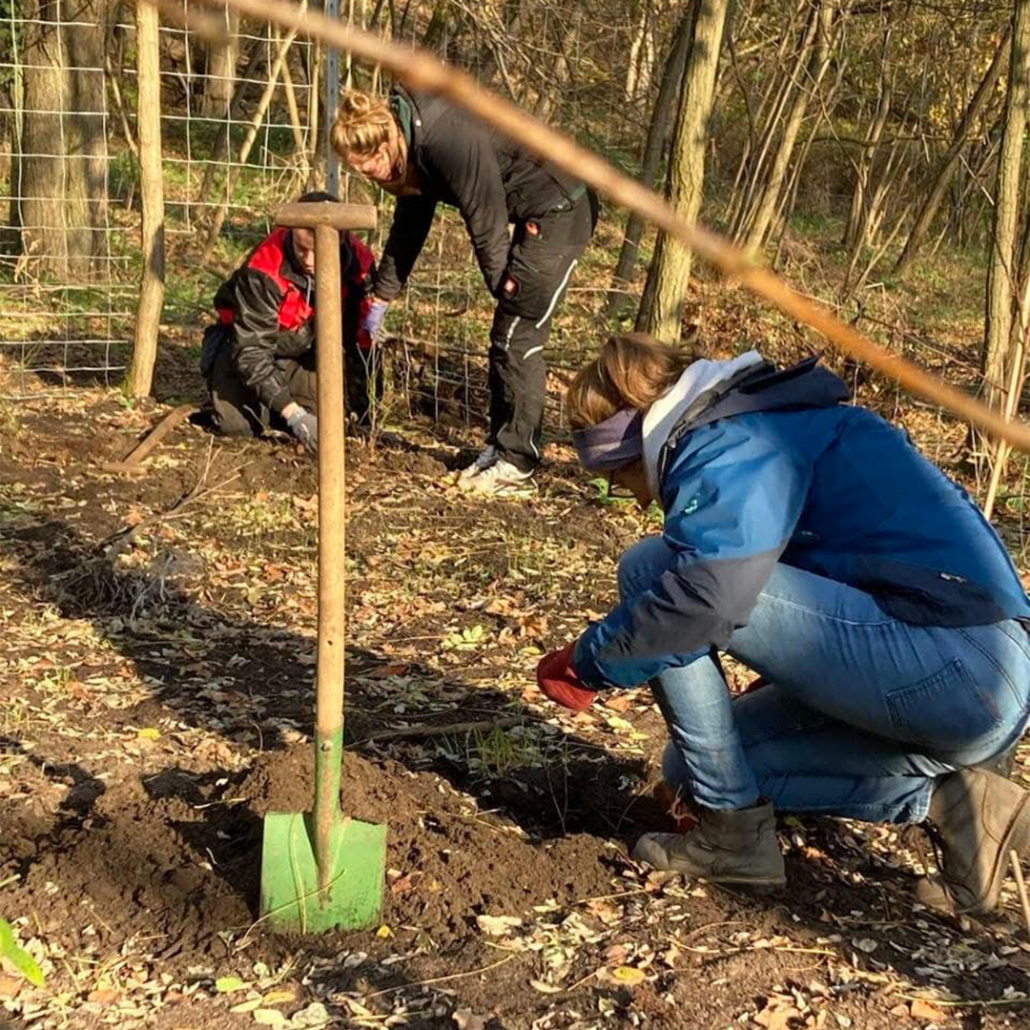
(614, 443)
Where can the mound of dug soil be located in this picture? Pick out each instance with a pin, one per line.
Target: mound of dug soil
(448, 864)
(175, 859)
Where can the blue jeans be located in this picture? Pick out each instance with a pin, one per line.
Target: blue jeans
(862, 712)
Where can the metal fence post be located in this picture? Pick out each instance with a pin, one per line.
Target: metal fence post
(332, 97)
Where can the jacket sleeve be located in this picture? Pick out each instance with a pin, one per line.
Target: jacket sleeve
(412, 219)
(466, 161)
(732, 500)
(255, 337)
(360, 274)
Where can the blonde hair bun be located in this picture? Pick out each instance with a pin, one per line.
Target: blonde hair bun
(363, 122)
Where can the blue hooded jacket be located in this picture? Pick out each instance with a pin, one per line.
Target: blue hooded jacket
(772, 467)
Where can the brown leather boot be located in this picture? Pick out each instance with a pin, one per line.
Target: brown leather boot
(976, 817)
(726, 847)
(1002, 763)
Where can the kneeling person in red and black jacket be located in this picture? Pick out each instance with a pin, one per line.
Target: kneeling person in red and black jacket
(259, 358)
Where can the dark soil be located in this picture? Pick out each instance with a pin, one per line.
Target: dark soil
(143, 852)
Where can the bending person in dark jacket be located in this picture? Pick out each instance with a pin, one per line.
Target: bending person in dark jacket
(425, 152)
(811, 541)
(259, 358)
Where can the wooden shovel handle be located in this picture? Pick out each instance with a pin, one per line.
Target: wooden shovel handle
(310, 215)
(331, 483)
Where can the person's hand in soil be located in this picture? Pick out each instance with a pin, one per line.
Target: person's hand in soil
(304, 427)
(556, 674)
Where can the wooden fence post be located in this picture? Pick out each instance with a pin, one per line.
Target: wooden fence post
(148, 129)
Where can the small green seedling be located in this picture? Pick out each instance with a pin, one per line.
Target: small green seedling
(20, 960)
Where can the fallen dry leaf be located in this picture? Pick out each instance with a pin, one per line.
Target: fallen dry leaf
(247, 1006)
(269, 1017)
(497, 926)
(406, 883)
(607, 913)
(278, 997)
(466, 1019)
(104, 996)
(777, 1015)
(628, 976)
(543, 987)
(924, 1010)
(9, 987)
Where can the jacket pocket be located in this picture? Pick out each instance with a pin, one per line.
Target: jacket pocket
(944, 711)
(536, 274)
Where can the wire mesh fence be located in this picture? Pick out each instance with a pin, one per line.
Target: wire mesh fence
(243, 128)
(70, 262)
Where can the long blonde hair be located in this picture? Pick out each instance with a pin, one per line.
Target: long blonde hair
(631, 370)
(363, 122)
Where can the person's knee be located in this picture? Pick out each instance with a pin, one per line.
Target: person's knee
(228, 420)
(231, 425)
(641, 564)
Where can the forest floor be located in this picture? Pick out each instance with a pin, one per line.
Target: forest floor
(156, 684)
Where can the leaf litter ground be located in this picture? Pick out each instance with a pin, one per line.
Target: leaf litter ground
(157, 683)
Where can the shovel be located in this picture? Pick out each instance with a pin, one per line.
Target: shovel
(322, 870)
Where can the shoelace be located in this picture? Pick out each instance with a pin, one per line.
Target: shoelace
(681, 811)
(914, 839)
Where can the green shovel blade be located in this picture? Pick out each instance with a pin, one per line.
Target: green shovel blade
(291, 901)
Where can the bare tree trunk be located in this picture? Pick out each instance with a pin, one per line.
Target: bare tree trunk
(282, 52)
(661, 115)
(437, 25)
(85, 136)
(856, 229)
(632, 87)
(669, 274)
(220, 83)
(822, 13)
(220, 151)
(1002, 275)
(148, 316)
(61, 175)
(950, 161)
(772, 107)
(559, 74)
(785, 207)
(38, 187)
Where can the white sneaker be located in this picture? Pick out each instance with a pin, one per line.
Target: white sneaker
(502, 477)
(486, 457)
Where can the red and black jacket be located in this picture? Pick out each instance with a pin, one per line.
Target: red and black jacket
(269, 304)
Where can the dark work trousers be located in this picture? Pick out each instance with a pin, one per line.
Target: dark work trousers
(236, 409)
(544, 252)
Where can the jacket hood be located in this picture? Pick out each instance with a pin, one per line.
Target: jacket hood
(700, 379)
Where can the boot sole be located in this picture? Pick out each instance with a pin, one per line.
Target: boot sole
(1017, 838)
(760, 885)
(767, 886)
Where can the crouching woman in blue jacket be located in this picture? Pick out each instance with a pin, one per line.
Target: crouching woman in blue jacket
(812, 542)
